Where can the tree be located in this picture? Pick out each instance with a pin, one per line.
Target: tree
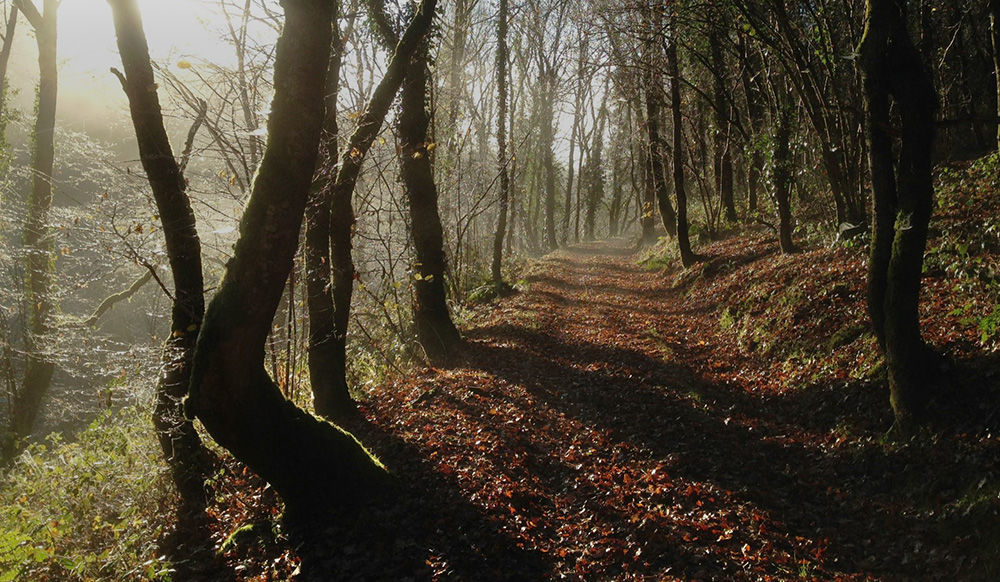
(313, 465)
(504, 194)
(781, 171)
(903, 190)
(994, 8)
(39, 367)
(688, 257)
(721, 141)
(653, 92)
(436, 332)
(5, 49)
(178, 439)
(331, 394)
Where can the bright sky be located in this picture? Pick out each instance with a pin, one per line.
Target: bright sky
(175, 29)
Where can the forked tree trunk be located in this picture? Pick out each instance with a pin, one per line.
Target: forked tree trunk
(653, 91)
(314, 466)
(327, 372)
(181, 445)
(341, 207)
(903, 189)
(37, 240)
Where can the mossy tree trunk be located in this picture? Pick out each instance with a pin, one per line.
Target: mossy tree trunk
(314, 466)
(37, 239)
(181, 445)
(342, 270)
(903, 190)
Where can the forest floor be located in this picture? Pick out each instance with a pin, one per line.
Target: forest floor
(614, 422)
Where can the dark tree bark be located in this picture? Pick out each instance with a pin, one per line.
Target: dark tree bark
(315, 467)
(547, 80)
(653, 91)
(504, 192)
(341, 207)
(723, 159)
(688, 257)
(755, 114)
(595, 175)
(575, 131)
(331, 394)
(436, 332)
(37, 241)
(903, 189)
(183, 449)
(995, 39)
(782, 172)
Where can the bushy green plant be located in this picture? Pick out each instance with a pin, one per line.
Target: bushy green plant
(90, 509)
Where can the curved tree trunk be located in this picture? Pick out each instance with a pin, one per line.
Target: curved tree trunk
(313, 465)
(903, 188)
(179, 441)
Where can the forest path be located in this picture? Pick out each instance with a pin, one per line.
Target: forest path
(580, 438)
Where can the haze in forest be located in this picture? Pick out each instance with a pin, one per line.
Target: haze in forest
(90, 98)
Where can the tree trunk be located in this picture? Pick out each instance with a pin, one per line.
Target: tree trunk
(327, 360)
(995, 38)
(436, 332)
(504, 193)
(181, 445)
(314, 466)
(723, 160)
(8, 44)
(37, 242)
(547, 120)
(903, 188)
(782, 173)
(683, 238)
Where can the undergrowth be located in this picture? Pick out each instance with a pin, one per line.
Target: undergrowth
(88, 509)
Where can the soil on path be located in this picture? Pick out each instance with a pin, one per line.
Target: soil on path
(596, 428)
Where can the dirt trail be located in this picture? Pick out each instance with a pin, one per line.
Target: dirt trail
(580, 439)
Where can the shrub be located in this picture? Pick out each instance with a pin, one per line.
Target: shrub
(91, 509)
